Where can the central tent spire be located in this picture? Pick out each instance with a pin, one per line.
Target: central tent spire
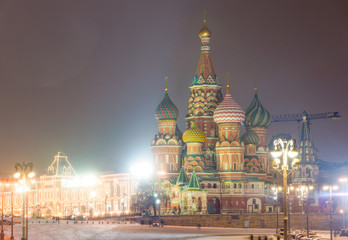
(205, 73)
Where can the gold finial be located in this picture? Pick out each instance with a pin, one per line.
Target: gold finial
(204, 13)
(205, 32)
(228, 81)
(255, 83)
(166, 89)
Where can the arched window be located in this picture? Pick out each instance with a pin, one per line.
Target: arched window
(214, 186)
(234, 185)
(209, 185)
(252, 185)
(240, 185)
(202, 186)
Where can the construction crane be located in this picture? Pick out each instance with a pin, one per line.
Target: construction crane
(299, 116)
(309, 117)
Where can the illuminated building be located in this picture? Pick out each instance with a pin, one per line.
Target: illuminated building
(221, 171)
(62, 192)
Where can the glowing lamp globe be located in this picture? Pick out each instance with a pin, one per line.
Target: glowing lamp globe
(293, 153)
(17, 175)
(276, 153)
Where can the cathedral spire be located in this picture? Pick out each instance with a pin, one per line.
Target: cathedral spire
(205, 73)
(305, 128)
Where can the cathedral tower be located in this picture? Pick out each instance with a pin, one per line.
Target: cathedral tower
(194, 139)
(205, 95)
(308, 169)
(229, 149)
(258, 118)
(166, 147)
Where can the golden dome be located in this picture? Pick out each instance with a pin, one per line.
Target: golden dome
(205, 32)
(194, 134)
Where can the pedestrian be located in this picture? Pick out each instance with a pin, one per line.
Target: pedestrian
(251, 237)
(278, 238)
(199, 226)
(259, 238)
(266, 238)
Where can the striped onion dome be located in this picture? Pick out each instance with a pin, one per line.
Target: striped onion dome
(229, 111)
(194, 134)
(250, 137)
(256, 115)
(166, 110)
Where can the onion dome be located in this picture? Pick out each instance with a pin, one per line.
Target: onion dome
(166, 110)
(205, 32)
(256, 115)
(250, 137)
(229, 111)
(194, 134)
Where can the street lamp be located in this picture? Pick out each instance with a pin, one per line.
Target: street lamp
(106, 206)
(11, 183)
(24, 170)
(343, 220)
(330, 188)
(2, 212)
(304, 191)
(276, 191)
(158, 202)
(284, 148)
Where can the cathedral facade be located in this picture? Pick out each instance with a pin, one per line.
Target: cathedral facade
(211, 167)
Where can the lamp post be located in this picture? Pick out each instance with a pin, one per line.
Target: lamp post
(343, 181)
(343, 220)
(2, 212)
(158, 202)
(284, 148)
(106, 199)
(11, 183)
(330, 188)
(24, 170)
(304, 191)
(276, 191)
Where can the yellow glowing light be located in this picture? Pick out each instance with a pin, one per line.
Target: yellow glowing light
(17, 175)
(293, 153)
(343, 179)
(31, 174)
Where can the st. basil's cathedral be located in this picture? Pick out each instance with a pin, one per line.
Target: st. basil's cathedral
(211, 168)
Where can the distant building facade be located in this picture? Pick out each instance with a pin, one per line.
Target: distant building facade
(62, 192)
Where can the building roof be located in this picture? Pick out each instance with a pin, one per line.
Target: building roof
(182, 179)
(250, 137)
(194, 183)
(205, 73)
(256, 114)
(166, 110)
(61, 167)
(193, 134)
(229, 111)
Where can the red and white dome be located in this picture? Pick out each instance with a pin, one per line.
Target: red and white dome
(229, 111)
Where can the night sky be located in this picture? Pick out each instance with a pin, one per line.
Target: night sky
(85, 77)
